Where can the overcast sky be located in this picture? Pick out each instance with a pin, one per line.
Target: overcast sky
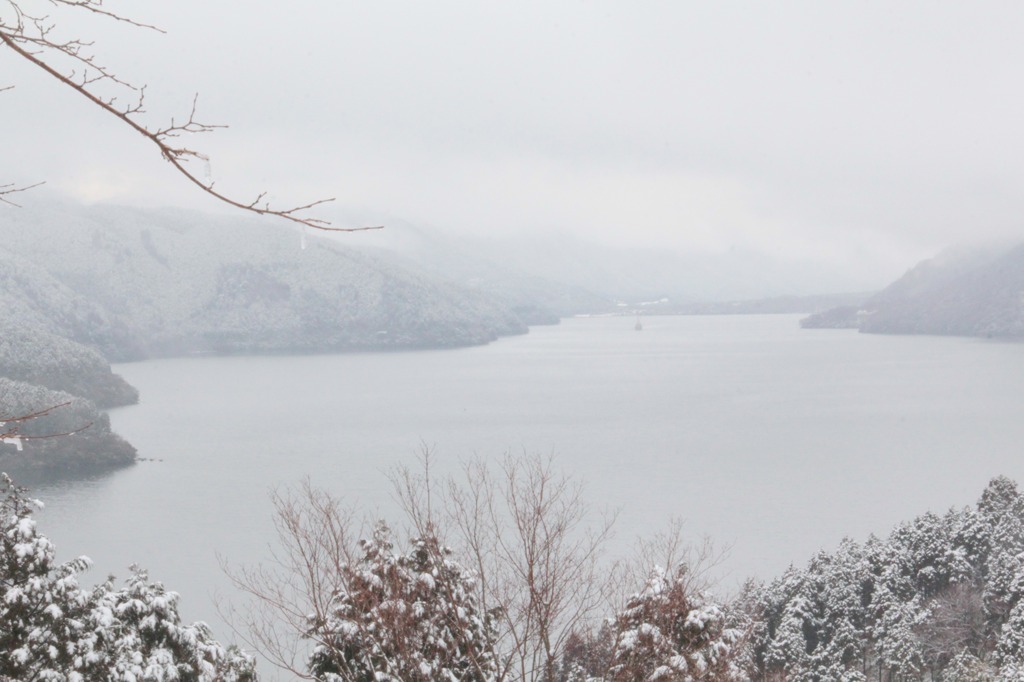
(875, 132)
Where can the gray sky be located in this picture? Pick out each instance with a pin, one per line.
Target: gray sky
(872, 133)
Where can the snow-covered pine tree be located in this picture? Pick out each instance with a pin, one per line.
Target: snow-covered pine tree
(966, 667)
(940, 598)
(42, 609)
(772, 642)
(665, 632)
(143, 638)
(52, 629)
(410, 617)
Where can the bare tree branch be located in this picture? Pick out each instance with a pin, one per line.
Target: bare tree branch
(532, 540)
(10, 188)
(31, 37)
(295, 587)
(10, 425)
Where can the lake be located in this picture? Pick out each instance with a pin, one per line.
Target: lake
(770, 439)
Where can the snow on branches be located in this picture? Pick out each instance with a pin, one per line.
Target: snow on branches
(53, 629)
(409, 617)
(941, 598)
(666, 632)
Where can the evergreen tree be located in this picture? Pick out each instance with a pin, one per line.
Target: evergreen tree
(940, 598)
(665, 632)
(410, 617)
(52, 629)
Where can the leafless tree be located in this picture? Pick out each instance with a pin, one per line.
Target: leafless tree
(535, 545)
(29, 28)
(956, 624)
(696, 564)
(521, 528)
(294, 588)
(326, 602)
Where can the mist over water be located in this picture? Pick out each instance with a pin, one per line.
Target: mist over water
(774, 440)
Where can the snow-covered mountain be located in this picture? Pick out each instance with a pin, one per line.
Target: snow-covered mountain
(977, 291)
(181, 282)
(85, 286)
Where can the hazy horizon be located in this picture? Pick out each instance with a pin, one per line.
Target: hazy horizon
(865, 137)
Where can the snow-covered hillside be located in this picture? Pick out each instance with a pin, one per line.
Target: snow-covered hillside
(186, 282)
(86, 286)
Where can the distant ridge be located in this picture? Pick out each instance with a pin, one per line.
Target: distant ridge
(961, 292)
(174, 282)
(86, 286)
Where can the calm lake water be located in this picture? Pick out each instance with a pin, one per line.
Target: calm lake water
(772, 439)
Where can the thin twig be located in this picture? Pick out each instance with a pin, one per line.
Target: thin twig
(29, 36)
(10, 188)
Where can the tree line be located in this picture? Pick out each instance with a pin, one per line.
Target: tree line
(939, 599)
(500, 574)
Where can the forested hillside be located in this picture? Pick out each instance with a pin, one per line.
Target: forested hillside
(36, 356)
(83, 287)
(69, 436)
(942, 598)
(965, 292)
(35, 299)
(183, 283)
